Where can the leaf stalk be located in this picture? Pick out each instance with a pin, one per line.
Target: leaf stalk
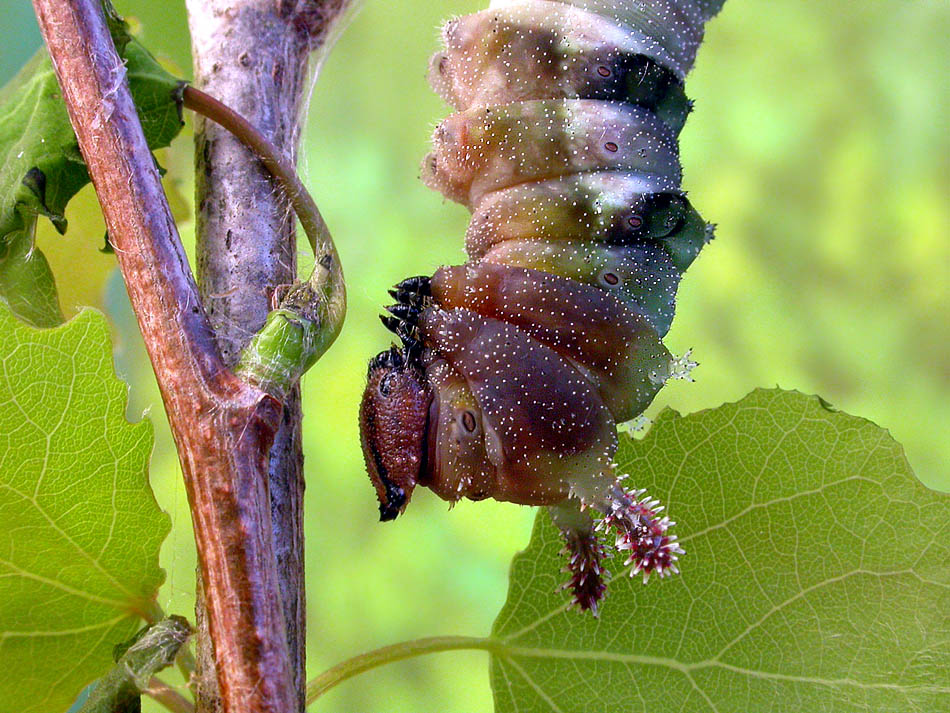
(391, 654)
(310, 315)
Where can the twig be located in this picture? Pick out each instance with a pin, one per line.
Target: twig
(222, 426)
(167, 696)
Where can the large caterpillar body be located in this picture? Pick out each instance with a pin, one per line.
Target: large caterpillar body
(516, 367)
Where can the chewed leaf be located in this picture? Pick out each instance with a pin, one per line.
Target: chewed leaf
(81, 529)
(41, 167)
(817, 577)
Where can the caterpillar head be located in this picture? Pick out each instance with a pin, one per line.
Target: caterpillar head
(393, 428)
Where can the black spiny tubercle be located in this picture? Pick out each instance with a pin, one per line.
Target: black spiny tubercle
(412, 296)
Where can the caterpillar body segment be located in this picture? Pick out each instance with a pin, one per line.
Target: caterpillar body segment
(615, 348)
(491, 148)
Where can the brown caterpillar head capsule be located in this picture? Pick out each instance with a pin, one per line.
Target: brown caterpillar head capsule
(393, 428)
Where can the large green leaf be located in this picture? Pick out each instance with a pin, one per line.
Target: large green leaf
(816, 578)
(81, 529)
(41, 167)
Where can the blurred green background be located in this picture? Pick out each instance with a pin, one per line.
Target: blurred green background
(819, 146)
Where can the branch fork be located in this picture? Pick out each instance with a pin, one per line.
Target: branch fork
(223, 424)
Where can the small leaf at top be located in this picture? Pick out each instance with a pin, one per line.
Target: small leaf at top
(81, 529)
(816, 578)
(41, 167)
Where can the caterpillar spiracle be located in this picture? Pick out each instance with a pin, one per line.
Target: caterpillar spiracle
(515, 368)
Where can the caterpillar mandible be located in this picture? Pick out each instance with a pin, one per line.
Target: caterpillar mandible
(515, 368)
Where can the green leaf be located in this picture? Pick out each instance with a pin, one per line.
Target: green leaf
(81, 529)
(816, 578)
(151, 650)
(26, 281)
(41, 167)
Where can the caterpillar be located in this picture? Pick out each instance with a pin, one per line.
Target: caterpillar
(514, 369)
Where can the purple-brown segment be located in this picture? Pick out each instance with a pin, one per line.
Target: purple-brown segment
(546, 428)
(642, 278)
(614, 347)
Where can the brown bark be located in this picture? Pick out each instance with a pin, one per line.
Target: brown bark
(223, 428)
(253, 55)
